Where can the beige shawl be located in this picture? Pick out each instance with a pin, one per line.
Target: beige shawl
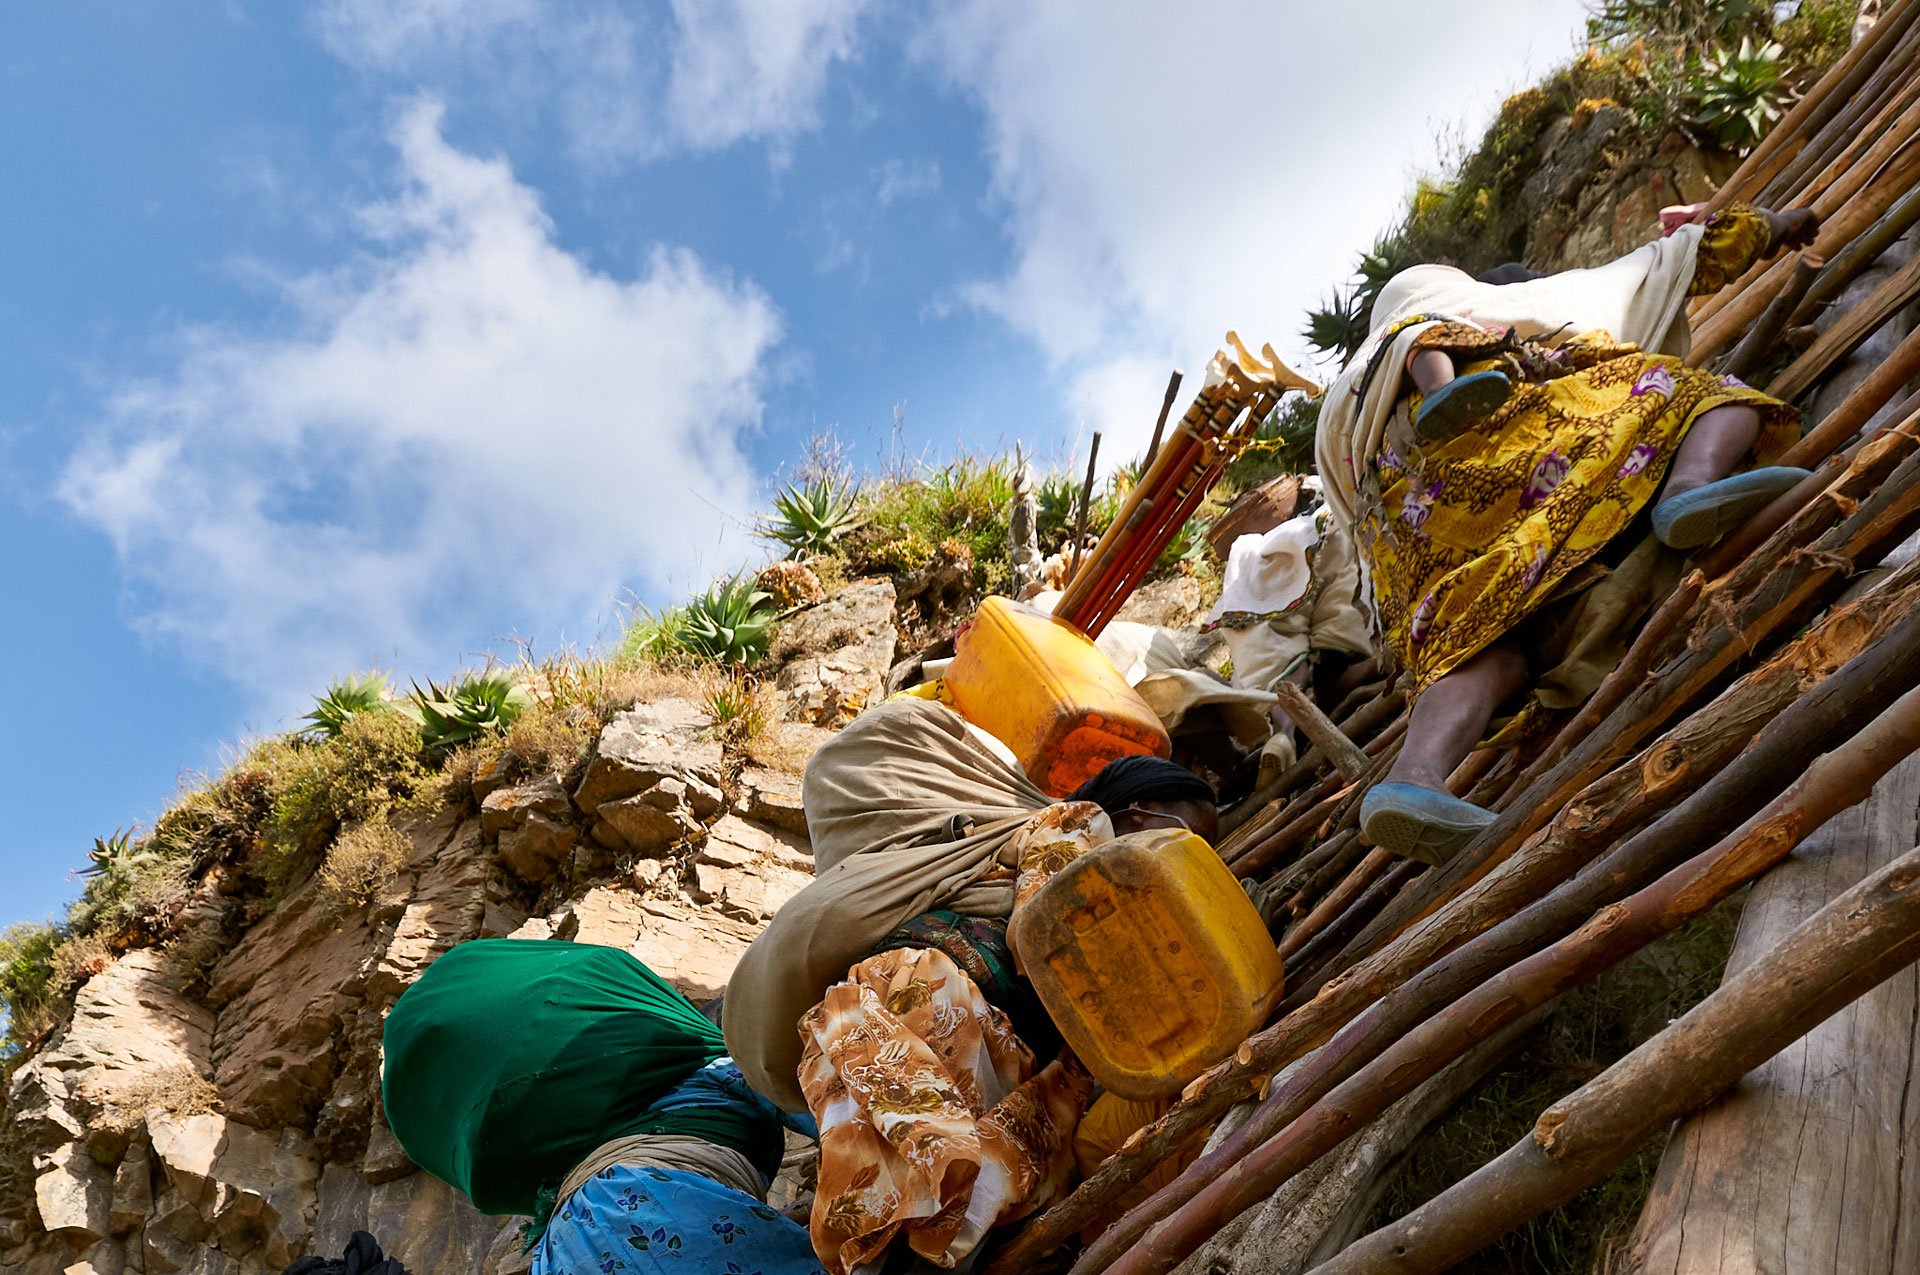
(1640, 298)
(879, 798)
(668, 1151)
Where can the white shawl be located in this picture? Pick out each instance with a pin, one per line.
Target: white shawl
(1268, 571)
(1639, 298)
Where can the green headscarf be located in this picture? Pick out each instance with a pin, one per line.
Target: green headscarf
(510, 1060)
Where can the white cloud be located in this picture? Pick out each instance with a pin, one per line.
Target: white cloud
(631, 82)
(467, 428)
(1166, 178)
(905, 179)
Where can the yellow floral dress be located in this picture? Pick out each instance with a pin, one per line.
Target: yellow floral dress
(934, 1123)
(1473, 535)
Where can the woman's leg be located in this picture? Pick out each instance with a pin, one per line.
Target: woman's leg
(1713, 447)
(1452, 716)
(1429, 369)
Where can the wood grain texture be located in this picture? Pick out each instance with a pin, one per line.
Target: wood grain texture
(1809, 1166)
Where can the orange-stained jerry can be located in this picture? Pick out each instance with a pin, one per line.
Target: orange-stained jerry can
(1042, 688)
(1151, 960)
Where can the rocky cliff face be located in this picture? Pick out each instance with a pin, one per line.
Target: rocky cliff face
(214, 1108)
(1599, 187)
(227, 1129)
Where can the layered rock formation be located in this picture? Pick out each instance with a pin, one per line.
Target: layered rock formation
(229, 1129)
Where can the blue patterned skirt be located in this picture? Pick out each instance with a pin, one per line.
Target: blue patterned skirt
(649, 1221)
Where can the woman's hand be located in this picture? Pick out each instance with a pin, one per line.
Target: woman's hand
(1671, 219)
(1794, 228)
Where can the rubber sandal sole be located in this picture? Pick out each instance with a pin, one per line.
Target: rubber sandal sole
(1475, 398)
(1412, 836)
(1708, 520)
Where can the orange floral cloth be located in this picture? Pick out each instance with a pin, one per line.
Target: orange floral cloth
(934, 1123)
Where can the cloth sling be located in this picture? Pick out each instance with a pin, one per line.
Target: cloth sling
(883, 798)
(510, 1061)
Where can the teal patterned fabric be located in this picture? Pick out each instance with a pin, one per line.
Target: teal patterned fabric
(665, 1222)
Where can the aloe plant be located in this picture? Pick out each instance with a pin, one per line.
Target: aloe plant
(1337, 327)
(1739, 95)
(470, 709)
(116, 856)
(1056, 499)
(730, 622)
(351, 695)
(811, 518)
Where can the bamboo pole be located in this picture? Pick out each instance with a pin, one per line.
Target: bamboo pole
(1837, 955)
(1834, 781)
(1876, 644)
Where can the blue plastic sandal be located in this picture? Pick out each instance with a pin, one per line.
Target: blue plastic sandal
(1703, 515)
(1458, 404)
(1419, 823)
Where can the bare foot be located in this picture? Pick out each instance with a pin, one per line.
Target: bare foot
(1794, 228)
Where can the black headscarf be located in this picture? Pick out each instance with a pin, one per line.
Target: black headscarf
(1130, 781)
(1511, 272)
(363, 1257)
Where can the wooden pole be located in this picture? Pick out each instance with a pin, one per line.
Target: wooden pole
(1160, 426)
(1890, 48)
(1833, 782)
(1720, 325)
(1086, 499)
(1847, 334)
(1760, 337)
(1856, 942)
(1297, 704)
(1880, 124)
(1852, 260)
(1369, 870)
(1873, 394)
(1515, 914)
(1312, 956)
(1258, 857)
(1819, 105)
(1631, 671)
(1792, 582)
(1359, 723)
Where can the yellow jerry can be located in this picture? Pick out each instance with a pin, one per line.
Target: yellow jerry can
(1151, 960)
(1044, 689)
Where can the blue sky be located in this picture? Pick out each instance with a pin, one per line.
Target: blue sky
(371, 332)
